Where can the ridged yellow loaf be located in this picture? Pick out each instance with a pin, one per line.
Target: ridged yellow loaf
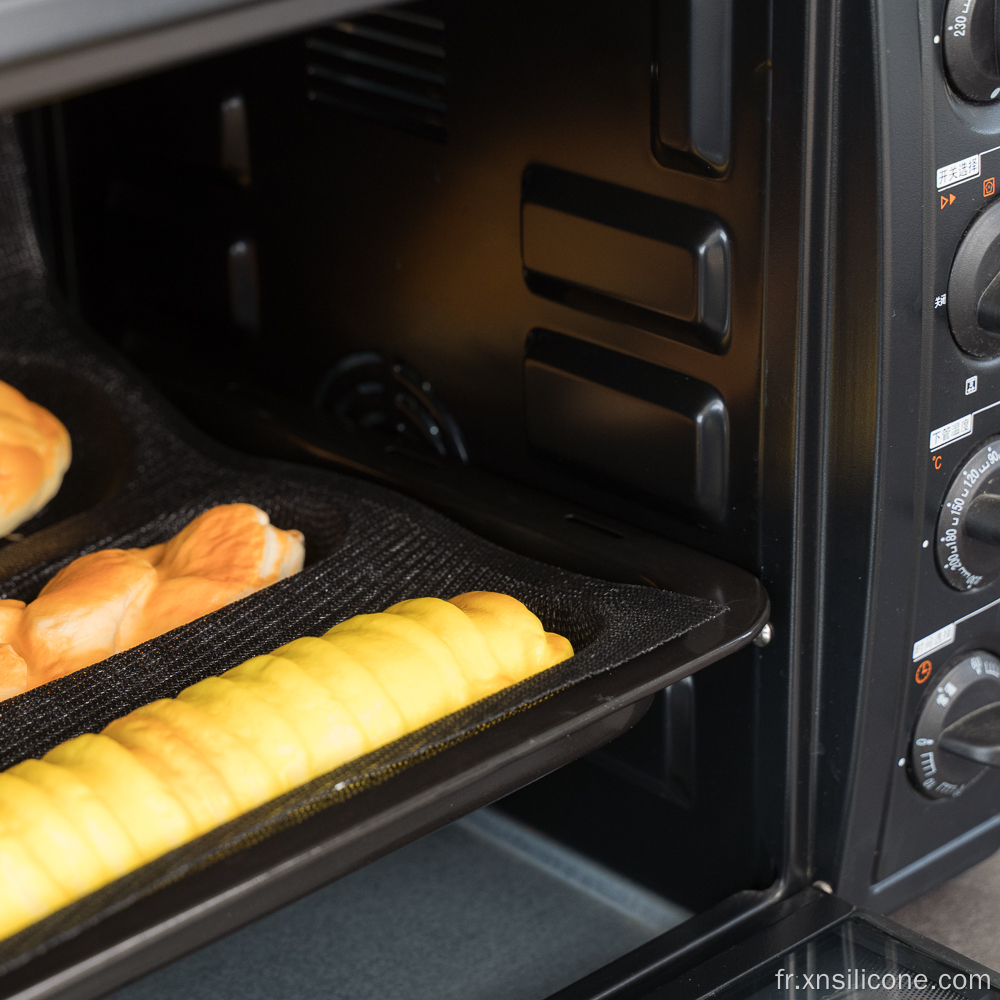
(99, 806)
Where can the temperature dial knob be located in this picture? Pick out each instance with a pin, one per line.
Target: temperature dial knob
(971, 43)
(968, 528)
(957, 735)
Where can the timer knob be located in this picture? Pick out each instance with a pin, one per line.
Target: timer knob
(957, 735)
(974, 286)
(971, 45)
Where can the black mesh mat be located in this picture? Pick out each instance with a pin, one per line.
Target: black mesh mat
(141, 475)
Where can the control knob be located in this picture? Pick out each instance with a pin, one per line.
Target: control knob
(971, 45)
(968, 527)
(957, 735)
(974, 286)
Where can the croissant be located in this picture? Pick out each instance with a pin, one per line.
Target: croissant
(99, 806)
(114, 599)
(34, 455)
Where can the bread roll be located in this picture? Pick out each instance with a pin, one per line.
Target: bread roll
(167, 772)
(35, 453)
(108, 601)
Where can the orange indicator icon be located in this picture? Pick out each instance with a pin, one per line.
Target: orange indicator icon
(989, 187)
(946, 200)
(924, 671)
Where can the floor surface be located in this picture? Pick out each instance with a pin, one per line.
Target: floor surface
(963, 914)
(482, 909)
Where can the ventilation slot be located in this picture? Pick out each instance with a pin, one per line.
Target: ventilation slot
(388, 67)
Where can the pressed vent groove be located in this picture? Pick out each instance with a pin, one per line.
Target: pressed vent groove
(387, 66)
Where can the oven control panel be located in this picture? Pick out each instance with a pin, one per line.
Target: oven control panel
(944, 783)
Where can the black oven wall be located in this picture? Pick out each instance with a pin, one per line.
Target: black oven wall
(491, 200)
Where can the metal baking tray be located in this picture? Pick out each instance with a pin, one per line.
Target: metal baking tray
(436, 790)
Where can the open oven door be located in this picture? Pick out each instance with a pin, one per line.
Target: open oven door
(811, 945)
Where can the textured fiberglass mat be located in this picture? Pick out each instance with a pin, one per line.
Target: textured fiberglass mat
(141, 475)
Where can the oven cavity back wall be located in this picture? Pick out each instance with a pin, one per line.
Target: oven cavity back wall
(434, 182)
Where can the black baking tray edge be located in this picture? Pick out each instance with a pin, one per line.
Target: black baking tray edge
(433, 791)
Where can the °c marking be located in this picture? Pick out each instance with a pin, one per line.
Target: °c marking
(936, 459)
(924, 671)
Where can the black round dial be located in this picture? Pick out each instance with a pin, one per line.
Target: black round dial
(974, 286)
(971, 46)
(970, 685)
(968, 528)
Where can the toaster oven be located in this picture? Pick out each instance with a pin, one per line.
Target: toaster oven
(698, 296)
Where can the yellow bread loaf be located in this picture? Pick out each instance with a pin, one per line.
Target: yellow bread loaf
(91, 817)
(249, 779)
(350, 683)
(424, 684)
(50, 836)
(28, 890)
(148, 810)
(328, 730)
(101, 805)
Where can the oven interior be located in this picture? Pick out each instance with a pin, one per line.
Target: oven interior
(655, 292)
(480, 253)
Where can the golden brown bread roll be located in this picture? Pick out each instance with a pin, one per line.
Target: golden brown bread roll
(108, 601)
(98, 806)
(35, 453)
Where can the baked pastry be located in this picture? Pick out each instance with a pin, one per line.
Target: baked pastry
(114, 599)
(34, 456)
(99, 806)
